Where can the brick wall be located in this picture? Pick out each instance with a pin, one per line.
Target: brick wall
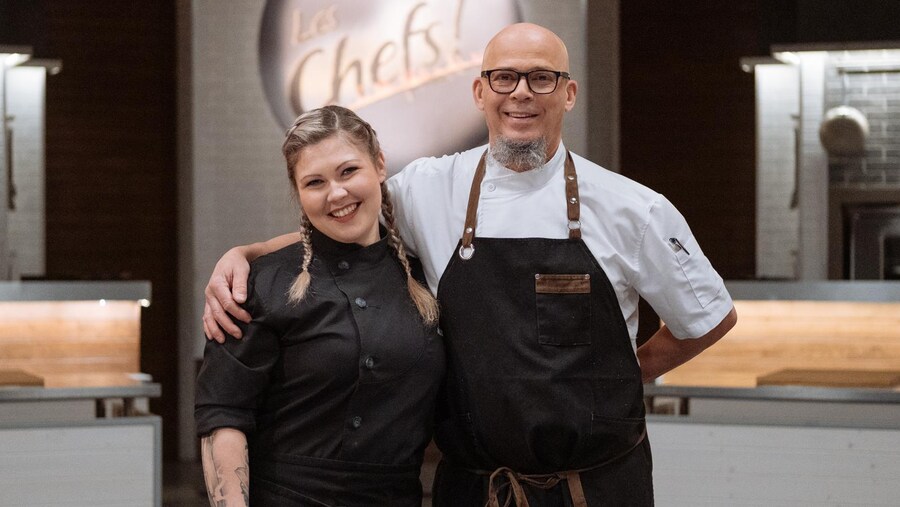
(877, 95)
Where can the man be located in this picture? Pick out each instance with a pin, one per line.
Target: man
(538, 258)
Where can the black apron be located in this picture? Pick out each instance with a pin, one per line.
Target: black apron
(543, 402)
(311, 482)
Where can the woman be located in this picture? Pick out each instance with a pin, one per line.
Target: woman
(329, 397)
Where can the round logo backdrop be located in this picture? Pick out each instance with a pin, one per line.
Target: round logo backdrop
(405, 66)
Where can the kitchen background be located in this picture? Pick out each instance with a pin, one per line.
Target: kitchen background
(677, 113)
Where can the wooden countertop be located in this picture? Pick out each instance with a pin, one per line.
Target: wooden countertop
(831, 378)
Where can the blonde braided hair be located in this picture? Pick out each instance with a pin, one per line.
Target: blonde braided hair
(301, 283)
(421, 296)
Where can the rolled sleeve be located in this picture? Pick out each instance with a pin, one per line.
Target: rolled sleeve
(235, 374)
(676, 278)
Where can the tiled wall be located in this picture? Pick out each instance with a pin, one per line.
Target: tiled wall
(4, 245)
(877, 95)
(777, 214)
(25, 95)
(813, 176)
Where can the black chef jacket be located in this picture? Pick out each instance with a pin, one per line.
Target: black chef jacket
(335, 394)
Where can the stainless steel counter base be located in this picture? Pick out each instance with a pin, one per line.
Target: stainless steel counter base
(80, 446)
(775, 445)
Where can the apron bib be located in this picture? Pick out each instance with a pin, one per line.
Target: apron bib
(543, 400)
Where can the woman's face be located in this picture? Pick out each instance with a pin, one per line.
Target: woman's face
(339, 186)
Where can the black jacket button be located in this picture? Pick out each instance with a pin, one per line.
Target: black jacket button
(360, 302)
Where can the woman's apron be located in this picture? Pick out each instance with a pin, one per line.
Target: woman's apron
(543, 404)
(294, 481)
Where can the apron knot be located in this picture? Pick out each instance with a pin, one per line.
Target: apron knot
(514, 480)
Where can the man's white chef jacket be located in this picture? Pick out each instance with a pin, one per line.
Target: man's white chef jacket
(641, 241)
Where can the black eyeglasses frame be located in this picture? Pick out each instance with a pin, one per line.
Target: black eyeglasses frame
(519, 75)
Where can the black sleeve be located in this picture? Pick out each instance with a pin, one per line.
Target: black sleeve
(234, 375)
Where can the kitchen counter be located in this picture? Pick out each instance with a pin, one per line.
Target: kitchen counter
(778, 393)
(76, 290)
(97, 441)
(774, 445)
(86, 435)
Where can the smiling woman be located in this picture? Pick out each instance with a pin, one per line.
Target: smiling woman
(342, 351)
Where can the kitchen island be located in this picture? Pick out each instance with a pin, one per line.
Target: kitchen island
(75, 427)
(777, 412)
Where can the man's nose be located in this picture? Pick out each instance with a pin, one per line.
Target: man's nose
(522, 90)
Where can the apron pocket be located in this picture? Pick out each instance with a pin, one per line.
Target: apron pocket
(614, 435)
(563, 305)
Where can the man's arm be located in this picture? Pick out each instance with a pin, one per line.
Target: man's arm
(663, 352)
(226, 468)
(227, 286)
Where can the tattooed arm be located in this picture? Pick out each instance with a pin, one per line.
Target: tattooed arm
(226, 468)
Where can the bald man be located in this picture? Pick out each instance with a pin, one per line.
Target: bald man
(538, 258)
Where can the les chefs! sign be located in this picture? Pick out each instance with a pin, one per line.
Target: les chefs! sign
(406, 66)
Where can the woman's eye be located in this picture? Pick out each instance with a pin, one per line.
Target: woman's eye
(349, 170)
(312, 183)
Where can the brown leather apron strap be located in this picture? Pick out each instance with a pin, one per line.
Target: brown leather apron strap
(573, 206)
(514, 481)
(466, 249)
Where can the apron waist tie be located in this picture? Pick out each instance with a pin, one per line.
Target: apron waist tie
(514, 481)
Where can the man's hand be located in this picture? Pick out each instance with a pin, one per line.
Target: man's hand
(226, 290)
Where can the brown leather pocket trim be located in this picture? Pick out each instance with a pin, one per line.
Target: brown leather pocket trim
(562, 284)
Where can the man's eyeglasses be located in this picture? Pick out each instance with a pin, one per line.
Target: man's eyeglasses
(539, 81)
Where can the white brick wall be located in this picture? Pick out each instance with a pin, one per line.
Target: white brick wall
(4, 241)
(777, 223)
(26, 102)
(813, 259)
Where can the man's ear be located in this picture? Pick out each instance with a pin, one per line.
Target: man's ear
(571, 91)
(478, 93)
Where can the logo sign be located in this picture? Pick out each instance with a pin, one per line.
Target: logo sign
(405, 66)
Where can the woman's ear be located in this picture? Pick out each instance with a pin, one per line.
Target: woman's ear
(380, 167)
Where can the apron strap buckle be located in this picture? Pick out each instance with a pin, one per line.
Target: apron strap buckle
(466, 252)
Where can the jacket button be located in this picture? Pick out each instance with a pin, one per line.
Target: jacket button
(370, 362)
(360, 302)
(344, 265)
(356, 422)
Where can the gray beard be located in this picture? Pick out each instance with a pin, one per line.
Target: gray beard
(519, 156)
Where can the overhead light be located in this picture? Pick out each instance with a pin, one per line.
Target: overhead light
(53, 66)
(749, 63)
(787, 57)
(14, 55)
